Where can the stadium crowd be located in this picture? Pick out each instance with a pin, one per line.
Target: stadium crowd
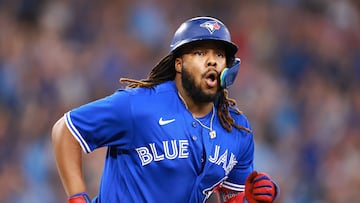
(299, 84)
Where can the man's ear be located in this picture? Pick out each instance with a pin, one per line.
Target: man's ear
(178, 65)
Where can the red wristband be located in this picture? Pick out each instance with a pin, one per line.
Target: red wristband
(81, 197)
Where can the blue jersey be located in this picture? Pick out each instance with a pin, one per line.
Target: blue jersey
(157, 152)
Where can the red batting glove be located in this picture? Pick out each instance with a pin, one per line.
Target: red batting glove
(260, 188)
(81, 197)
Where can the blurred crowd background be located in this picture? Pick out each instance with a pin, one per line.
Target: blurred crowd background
(299, 84)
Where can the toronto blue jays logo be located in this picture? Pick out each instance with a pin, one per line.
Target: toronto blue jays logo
(211, 26)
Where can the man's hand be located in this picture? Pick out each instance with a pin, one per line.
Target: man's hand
(82, 197)
(260, 188)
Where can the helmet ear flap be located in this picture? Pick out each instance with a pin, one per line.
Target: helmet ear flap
(228, 75)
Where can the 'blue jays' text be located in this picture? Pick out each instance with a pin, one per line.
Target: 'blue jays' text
(180, 149)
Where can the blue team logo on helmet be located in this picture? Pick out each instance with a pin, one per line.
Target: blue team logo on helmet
(211, 26)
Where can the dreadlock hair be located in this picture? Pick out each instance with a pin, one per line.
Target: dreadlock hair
(223, 111)
(162, 72)
(165, 71)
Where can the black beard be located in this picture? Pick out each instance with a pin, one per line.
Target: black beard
(194, 91)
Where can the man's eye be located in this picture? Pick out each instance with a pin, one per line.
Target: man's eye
(199, 53)
(220, 54)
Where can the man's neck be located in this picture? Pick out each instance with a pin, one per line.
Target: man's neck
(197, 109)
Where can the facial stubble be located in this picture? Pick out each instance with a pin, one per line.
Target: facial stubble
(195, 91)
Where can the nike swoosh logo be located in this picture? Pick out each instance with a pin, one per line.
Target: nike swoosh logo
(164, 122)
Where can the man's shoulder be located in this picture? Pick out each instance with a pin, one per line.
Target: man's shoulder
(168, 86)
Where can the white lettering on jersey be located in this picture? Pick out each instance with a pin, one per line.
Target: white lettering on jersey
(144, 155)
(174, 149)
(183, 146)
(223, 160)
(151, 153)
(155, 154)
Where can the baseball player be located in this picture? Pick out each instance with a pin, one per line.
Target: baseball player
(174, 137)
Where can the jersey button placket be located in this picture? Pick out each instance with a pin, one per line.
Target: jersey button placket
(199, 140)
(194, 137)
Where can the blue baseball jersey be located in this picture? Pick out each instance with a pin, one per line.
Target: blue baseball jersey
(157, 151)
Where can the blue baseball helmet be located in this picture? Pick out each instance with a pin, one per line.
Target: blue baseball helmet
(203, 28)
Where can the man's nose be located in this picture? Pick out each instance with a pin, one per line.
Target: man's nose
(211, 61)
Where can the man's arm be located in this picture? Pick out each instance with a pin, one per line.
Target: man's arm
(68, 157)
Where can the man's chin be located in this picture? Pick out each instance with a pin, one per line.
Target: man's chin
(205, 96)
(210, 91)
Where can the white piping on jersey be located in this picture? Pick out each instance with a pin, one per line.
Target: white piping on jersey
(233, 186)
(76, 133)
(208, 191)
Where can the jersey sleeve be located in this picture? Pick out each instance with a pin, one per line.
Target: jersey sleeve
(104, 122)
(237, 177)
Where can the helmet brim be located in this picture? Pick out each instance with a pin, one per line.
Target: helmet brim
(230, 48)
